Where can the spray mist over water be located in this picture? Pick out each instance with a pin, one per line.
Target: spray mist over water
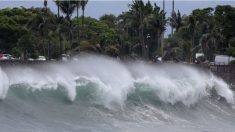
(114, 80)
(97, 93)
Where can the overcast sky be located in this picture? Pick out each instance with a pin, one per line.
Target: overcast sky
(96, 8)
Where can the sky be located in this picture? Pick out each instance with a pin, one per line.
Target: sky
(97, 8)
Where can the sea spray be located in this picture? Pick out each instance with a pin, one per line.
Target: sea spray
(179, 83)
(114, 81)
(4, 84)
(96, 93)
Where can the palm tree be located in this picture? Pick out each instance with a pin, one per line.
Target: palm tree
(59, 27)
(172, 13)
(41, 30)
(58, 7)
(37, 24)
(83, 4)
(175, 21)
(162, 36)
(127, 24)
(157, 22)
(68, 7)
(192, 30)
(45, 5)
(210, 42)
(44, 24)
(137, 8)
(78, 5)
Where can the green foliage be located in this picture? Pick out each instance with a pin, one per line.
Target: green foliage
(231, 51)
(112, 50)
(137, 31)
(232, 42)
(26, 43)
(98, 32)
(27, 46)
(86, 46)
(208, 29)
(232, 62)
(110, 20)
(225, 18)
(10, 30)
(16, 52)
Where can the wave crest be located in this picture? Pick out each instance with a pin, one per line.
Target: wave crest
(109, 82)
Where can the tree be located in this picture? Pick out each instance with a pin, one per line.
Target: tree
(231, 49)
(210, 43)
(59, 27)
(78, 5)
(192, 30)
(45, 5)
(157, 22)
(175, 21)
(137, 9)
(109, 19)
(26, 45)
(58, 7)
(232, 42)
(225, 17)
(83, 4)
(68, 7)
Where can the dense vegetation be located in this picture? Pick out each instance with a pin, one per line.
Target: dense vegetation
(137, 32)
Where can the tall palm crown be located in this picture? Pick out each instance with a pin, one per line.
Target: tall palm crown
(158, 18)
(210, 42)
(137, 10)
(83, 5)
(67, 7)
(45, 3)
(58, 7)
(78, 5)
(176, 20)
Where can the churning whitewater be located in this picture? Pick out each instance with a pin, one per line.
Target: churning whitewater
(94, 93)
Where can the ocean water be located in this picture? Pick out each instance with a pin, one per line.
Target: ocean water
(98, 94)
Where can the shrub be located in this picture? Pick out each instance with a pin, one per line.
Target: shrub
(232, 62)
(86, 46)
(231, 51)
(112, 50)
(232, 42)
(16, 52)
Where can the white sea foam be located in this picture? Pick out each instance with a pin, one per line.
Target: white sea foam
(114, 81)
(4, 84)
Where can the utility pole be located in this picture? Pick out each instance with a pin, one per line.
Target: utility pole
(162, 35)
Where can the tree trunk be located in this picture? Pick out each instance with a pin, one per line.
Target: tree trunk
(60, 39)
(141, 33)
(158, 41)
(58, 11)
(70, 33)
(61, 46)
(192, 46)
(43, 46)
(83, 19)
(49, 49)
(70, 26)
(78, 32)
(162, 44)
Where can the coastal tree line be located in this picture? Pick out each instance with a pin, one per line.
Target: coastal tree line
(136, 33)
